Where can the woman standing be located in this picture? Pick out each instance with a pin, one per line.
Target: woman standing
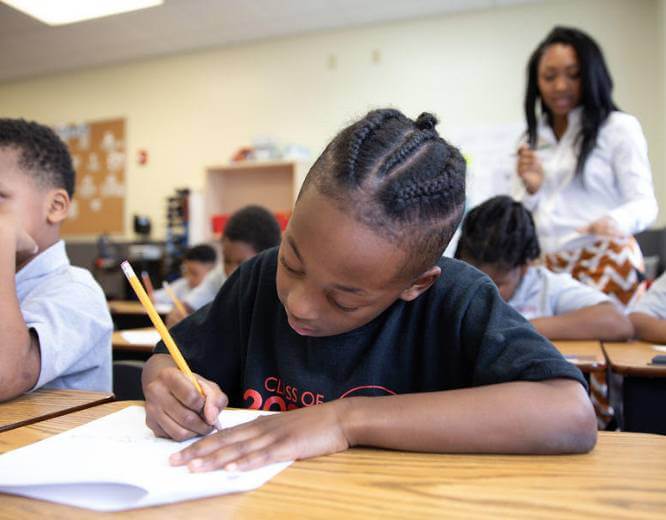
(584, 167)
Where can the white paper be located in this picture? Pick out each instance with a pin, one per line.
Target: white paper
(659, 348)
(116, 463)
(163, 308)
(490, 152)
(140, 337)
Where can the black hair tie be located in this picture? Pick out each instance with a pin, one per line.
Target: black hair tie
(426, 121)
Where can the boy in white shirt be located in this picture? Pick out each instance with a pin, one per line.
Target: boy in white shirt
(649, 314)
(499, 238)
(55, 329)
(249, 231)
(198, 261)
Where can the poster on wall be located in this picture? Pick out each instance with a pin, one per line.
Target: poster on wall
(490, 153)
(98, 152)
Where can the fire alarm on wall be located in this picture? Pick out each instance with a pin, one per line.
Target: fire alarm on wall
(142, 157)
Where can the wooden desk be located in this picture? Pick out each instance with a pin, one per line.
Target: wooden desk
(643, 386)
(45, 404)
(129, 314)
(633, 359)
(126, 307)
(623, 477)
(586, 355)
(120, 344)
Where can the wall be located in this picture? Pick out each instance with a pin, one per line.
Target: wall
(657, 134)
(194, 110)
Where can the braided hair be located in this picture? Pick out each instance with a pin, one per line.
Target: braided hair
(596, 83)
(42, 154)
(398, 177)
(499, 232)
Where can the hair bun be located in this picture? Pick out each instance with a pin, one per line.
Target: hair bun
(426, 121)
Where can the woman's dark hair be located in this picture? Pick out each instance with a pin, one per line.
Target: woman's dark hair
(499, 232)
(255, 226)
(596, 86)
(400, 178)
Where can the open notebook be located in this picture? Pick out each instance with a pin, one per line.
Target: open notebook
(116, 463)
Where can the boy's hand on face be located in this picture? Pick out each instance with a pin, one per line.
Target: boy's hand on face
(25, 246)
(297, 434)
(175, 409)
(12, 230)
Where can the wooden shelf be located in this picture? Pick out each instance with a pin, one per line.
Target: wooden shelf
(272, 184)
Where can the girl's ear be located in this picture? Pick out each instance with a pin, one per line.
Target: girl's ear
(421, 284)
(58, 203)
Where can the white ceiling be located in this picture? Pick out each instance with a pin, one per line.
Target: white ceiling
(30, 48)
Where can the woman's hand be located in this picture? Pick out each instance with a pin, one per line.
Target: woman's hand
(605, 226)
(529, 169)
(297, 434)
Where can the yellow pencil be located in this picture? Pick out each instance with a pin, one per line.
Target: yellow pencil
(159, 325)
(176, 301)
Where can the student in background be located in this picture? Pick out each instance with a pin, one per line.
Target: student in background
(498, 237)
(198, 261)
(249, 231)
(649, 314)
(55, 326)
(351, 314)
(584, 169)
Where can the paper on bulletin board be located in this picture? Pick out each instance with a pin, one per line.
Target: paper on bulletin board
(98, 152)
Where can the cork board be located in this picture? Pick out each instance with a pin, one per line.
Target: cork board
(99, 155)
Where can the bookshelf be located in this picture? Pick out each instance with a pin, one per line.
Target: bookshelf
(272, 184)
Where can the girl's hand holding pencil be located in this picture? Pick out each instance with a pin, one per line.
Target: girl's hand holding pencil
(179, 404)
(174, 409)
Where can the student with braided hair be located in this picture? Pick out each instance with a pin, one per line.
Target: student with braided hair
(358, 313)
(499, 238)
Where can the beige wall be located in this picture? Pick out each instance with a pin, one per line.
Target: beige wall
(194, 110)
(658, 138)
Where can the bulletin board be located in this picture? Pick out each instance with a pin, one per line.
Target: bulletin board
(98, 152)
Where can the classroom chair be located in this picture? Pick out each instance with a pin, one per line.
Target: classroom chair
(127, 380)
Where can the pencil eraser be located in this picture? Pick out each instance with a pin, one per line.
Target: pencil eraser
(127, 269)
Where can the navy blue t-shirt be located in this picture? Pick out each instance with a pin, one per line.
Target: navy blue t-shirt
(457, 334)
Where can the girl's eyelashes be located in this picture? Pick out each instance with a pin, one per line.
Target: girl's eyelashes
(296, 272)
(288, 267)
(342, 307)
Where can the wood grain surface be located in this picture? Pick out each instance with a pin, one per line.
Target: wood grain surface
(623, 477)
(44, 404)
(586, 355)
(633, 359)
